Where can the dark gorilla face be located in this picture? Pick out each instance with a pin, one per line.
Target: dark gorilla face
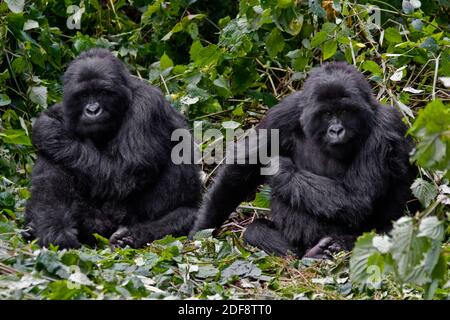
(339, 114)
(96, 95)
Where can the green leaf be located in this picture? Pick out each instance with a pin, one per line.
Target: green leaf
(392, 35)
(30, 24)
(424, 191)
(205, 56)
(15, 136)
(274, 42)
(262, 198)
(431, 228)
(359, 261)
(203, 234)
(316, 8)
(4, 100)
(242, 269)
(165, 62)
(372, 67)
(15, 6)
(206, 272)
(408, 250)
(223, 87)
(19, 65)
(284, 3)
(318, 39)
(329, 48)
(38, 95)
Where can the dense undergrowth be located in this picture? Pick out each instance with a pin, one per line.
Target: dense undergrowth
(224, 63)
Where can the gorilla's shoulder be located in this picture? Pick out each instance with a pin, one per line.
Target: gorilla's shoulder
(286, 113)
(388, 117)
(55, 111)
(156, 104)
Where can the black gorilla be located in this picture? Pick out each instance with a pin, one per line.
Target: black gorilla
(104, 161)
(343, 169)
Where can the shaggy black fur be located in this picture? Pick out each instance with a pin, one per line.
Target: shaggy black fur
(344, 169)
(104, 161)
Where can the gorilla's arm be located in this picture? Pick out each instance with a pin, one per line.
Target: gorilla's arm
(236, 182)
(233, 185)
(141, 152)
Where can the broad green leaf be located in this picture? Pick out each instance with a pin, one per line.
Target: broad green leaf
(4, 100)
(284, 3)
(15, 6)
(262, 198)
(38, 95)
(274, 42)
(431, 228)
(206, 272)
(205, 56)
(392, 35)
(223, 87)
(318, 39)
(15, 136)
(242, 269)
(203, 234)
(30, 24)
(165, 62)
(424, 191)
(362, 251)
(372, 67)
(407, 249)
(316, 8)
(329, 49)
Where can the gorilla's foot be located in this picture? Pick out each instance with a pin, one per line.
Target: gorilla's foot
(324, 249)
(121, 238)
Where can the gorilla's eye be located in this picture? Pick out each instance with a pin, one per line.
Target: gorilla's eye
(84, 94)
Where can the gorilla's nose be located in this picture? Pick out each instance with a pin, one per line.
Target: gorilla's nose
(92, 110)
(336, 131)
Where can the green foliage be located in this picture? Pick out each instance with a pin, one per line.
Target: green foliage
(411, 254)
(225, 63)
(432, 128)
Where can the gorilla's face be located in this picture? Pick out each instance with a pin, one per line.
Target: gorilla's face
(96, 112)
(338, 120)
(96, 97)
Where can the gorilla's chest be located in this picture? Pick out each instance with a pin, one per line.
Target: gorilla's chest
(309, 156)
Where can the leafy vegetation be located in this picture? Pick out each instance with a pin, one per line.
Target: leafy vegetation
(219, 62)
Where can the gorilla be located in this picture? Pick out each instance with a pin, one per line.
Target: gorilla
(343, 169)
(104, 161)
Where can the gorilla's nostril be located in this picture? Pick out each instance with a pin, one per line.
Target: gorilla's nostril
(93, 109)
(336, 131)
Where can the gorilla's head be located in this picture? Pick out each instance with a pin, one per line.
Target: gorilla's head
(96, 94)
(339, 108)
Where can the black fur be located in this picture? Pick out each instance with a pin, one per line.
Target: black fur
(329, 186)
(113, 174)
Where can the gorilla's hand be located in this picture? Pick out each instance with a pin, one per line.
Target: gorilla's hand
(121, 238)
(131, 236)
(62, 238)
(49, 133)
